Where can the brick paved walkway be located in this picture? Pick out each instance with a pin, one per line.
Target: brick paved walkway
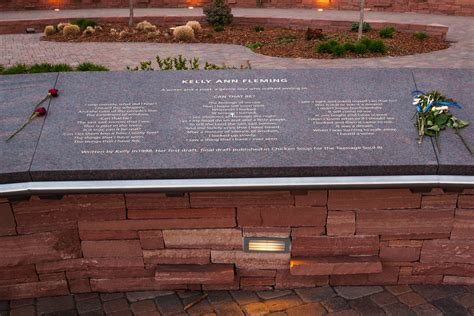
(29, 49)
(401, 300)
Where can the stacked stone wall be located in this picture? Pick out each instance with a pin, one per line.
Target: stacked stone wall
(448, 7)
(53, 245)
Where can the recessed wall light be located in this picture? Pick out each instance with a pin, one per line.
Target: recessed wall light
(267, 244)
(56, 9)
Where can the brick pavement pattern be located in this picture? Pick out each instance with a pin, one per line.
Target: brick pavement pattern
(25, 48)
(426, 300)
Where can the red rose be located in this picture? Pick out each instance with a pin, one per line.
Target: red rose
(53, 92)
(40, 111)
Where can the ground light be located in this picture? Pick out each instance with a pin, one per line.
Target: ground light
(267, 244)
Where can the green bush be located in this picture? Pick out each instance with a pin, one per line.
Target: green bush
(91, 67)
(61, 68)
(365, 27)
(258, 28)
(366, 41)
(84, 23)
(39, 68)
(327, 47)
(286, 39)
(218, 13)
(16, 69)
(45, 67)
(219, 28)
(377, 46)
(182, 63)
(255, 45)
(338, 50)
(350, 47)
(420, 35)
(360, 48)
(387, 32)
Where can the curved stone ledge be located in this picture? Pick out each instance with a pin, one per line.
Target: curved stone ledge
(449, 7)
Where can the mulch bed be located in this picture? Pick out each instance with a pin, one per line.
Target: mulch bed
(278, 42)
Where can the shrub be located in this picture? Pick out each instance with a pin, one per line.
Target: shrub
(87, 66)
(61, 68)
(150, 28)
(327, 47)
(16, 69)
(60, 26)
(218, 13)
(313, 34)
(183, 33)
(219, 28)
(350, 47)
(141, 25)
(1, 69)
(286, 39)
(152, 35)
(123, 34)
(255, 45)
(365, 27)
(338, 50)
(366, 41)
(377, 46)
(182, 63)
(71, 30)
(49, 30)
(195, 25)
(39, 68)
(84, 23)
(88, 31)
(420, 35)
(35, 68)
(146, 26)
(387, 32)
(360, 48)
(258, 28)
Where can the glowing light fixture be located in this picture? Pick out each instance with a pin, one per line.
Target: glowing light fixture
(57, 10)
(320, 10)
(190, 8)
(266, 244)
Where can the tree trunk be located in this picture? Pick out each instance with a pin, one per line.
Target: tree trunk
(361, 21)
(130, 17)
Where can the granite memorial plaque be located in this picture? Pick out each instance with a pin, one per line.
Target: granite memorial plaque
(18, 97)
(162, 125)
(458, 84)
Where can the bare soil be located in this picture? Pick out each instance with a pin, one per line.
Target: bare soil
(278, 42)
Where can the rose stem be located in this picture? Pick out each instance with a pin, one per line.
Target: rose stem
(23, 126)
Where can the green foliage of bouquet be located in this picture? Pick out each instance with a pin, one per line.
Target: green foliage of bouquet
(433, 116)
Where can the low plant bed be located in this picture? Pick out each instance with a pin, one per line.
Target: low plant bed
(46, 67)
(278, 42)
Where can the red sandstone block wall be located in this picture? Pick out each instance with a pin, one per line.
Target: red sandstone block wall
(450, 7)
(155, 241)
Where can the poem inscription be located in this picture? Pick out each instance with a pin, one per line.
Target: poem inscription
(233, 118)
